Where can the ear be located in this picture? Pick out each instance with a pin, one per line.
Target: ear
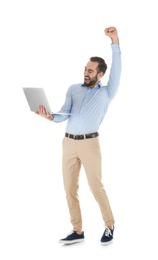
(100, 74)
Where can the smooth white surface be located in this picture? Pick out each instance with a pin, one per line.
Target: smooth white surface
(47, 44)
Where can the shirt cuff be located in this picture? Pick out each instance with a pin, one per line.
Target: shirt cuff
(54, 117)
(115, 47)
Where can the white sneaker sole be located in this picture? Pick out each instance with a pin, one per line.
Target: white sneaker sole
(106, 243)
(69, 242)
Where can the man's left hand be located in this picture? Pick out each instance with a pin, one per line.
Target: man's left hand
(112, 33)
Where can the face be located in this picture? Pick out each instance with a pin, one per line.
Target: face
(91, 76)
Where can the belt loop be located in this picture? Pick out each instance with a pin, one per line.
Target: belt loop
(84, 136)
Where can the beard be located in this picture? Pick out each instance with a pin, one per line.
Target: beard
(91, 82)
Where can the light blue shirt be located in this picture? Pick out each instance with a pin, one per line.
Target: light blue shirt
(89, 106)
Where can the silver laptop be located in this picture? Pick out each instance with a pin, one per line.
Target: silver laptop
(36, 97)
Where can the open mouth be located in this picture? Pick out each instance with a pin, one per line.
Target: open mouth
(86, 79)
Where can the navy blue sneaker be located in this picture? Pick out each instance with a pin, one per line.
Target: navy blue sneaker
(73, 237)
(107, 236)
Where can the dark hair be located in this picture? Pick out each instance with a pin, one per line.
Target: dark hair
(102, 66)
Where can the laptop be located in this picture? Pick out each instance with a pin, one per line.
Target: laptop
(36, 97)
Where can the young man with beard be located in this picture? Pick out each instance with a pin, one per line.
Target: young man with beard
(87, 104)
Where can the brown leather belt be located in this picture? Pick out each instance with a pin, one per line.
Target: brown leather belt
(81, 137)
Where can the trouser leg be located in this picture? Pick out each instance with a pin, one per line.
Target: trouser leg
(71, 165)
(90, 155)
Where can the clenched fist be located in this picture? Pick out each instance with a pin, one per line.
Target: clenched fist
(112, 33)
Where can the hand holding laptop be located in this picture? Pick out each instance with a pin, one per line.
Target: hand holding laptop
(42, 112)
(38, 103)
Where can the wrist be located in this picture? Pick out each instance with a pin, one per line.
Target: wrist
(115, 40)
(50, 117)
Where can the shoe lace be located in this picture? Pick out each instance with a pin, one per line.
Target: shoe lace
(71, 232)
(107, 232)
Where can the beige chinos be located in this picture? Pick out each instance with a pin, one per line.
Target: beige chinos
(84, 152)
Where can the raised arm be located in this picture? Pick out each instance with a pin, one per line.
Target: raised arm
(116, 66)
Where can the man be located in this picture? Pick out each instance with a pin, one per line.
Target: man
(86, 105)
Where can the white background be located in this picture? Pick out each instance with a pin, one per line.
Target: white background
(47, 44)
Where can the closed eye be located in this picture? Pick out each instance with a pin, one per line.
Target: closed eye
(89, 70)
